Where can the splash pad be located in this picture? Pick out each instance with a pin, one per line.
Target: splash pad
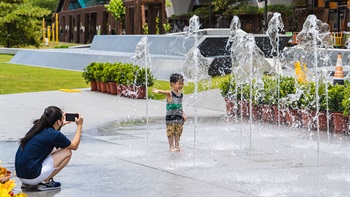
(228, 157)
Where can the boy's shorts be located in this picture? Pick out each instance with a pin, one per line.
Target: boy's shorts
(46, 170)
(174, 129)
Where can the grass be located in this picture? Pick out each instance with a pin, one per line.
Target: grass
(16, 78)
(51, 45)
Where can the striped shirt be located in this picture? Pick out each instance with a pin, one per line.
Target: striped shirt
(174, 109)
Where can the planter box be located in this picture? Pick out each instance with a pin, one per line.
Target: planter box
(231, 109)
(113, 87)
(267, 114)
(307, 119)
(322, 118)
(136, 92)
(103, 86)
(244, 107)
(340, 123)
(282, 116)
(256, 112)
(293, 118)
(93, 85)
(98, 83)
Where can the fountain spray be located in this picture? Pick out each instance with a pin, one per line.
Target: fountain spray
(274, 27)
(143, 56)
(315, 35)
(195, 69)
(236, 37)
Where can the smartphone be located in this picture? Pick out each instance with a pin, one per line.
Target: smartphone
(71, 116)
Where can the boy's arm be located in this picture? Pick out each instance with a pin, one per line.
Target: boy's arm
(165, 92)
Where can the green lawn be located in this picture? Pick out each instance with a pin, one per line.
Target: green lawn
(16, 78)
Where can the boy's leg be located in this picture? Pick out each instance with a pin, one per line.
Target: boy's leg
(178, 133)
(170, 134)
(171, 142)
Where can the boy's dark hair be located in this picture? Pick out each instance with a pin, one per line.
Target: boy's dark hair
(176, 77)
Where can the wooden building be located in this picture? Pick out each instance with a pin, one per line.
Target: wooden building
(81, 20)
(139, 12)
(335, 12)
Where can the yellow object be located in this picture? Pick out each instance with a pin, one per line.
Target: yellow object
(43, 26)
(56, 29)
(300, 71)
(333, 5)
(48, 34)
(69, 90)
(321, 3)
(53, 33)
(337, 39)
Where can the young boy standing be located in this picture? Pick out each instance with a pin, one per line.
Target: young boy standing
(175, 117)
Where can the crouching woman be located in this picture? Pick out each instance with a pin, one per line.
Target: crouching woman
(44, 151)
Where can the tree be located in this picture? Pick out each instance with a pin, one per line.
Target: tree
(222, 5)
(20, 23)
(117, 9)
(47, 4)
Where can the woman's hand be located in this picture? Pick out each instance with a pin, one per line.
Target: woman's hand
(79, 120)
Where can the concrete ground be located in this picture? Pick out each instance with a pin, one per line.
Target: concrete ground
(121, 155)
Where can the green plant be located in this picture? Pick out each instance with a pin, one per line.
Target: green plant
(258, 93)
(167, 26)
(89, 72)
(98, 73)
(322, 94)
(287, 86)
(61, 46)
(346, 101)
(243, 9)
(287, 92)
(140, 74)
(125, 74)
(145, 28)
(335, 98)
(113, 70)
(117, 8)
(106, 74)
(168, 3)
(308, 96)
(270, 91)
(227, 88)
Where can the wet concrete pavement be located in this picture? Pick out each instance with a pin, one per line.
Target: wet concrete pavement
(121, 155)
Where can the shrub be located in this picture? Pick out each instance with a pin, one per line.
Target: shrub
(346, 101)
(335, 98)
(89, 72)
